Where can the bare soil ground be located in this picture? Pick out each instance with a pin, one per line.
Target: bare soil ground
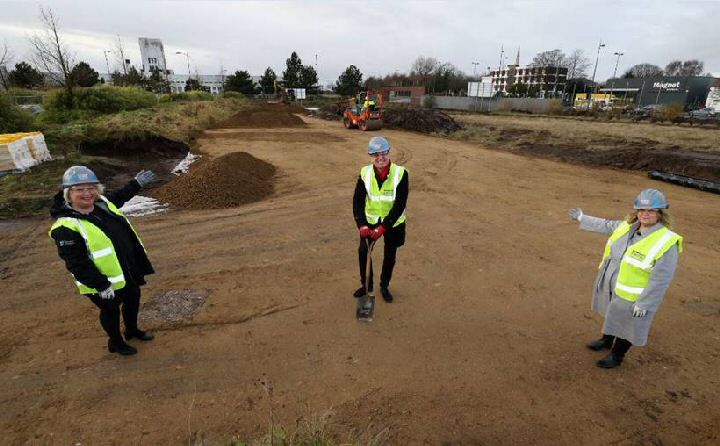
(484, 344)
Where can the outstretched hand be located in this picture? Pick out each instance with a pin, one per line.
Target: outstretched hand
(145, 177)
(575, 214)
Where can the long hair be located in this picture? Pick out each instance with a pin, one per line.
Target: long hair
(664, 217)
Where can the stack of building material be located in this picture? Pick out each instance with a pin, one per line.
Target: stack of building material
(21, 151)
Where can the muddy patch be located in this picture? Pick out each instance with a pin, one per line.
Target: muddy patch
(173, 306)
(266, 116)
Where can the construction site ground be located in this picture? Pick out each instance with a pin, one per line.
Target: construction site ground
(483, 345)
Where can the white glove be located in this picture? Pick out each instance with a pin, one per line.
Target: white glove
(575, 214)
(638, 312)
(144, 177)
(107, 294)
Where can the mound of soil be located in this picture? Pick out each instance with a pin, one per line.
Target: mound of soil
(264, 117)
(420, 120)
(228, 181)
(150, 146)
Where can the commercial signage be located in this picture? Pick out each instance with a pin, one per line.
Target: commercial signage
(668, 86)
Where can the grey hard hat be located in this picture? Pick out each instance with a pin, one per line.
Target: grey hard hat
(79, 175)
(651, 199)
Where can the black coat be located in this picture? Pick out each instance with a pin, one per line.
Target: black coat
(73, 250)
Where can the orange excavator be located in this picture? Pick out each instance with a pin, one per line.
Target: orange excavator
(366, 113)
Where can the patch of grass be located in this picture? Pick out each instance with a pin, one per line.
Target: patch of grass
(13, 119)
(100, 100)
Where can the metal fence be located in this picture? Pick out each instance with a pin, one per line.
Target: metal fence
(533, 105)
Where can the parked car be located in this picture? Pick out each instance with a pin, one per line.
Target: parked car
(646, 111)
(703, 114)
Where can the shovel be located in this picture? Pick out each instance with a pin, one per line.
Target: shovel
(366, 304)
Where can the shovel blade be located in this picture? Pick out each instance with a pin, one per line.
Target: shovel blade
(365, 308)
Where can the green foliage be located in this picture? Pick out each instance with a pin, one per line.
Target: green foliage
(267, 81)
(101, 100)
(188, 96)
(25, 76)
(350, 82)
(308, 77)
(132, 78)
(84, 76)
(13, 119)
(241, 82)
(193, 84)
(157, 83)
(232, 95)
(294, 66)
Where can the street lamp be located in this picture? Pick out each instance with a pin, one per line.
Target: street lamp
(600, 45)
(475, 65)
(617, 62)
(187, 56)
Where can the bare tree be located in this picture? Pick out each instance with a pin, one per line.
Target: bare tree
(50, 54)
(5, 58)
(552, 58)
(423, 67)
(577, 64)
(687, 68)
(643, 70)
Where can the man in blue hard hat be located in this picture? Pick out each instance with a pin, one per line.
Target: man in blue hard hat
(379, 202)
(102, 250)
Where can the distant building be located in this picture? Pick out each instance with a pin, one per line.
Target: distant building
(549, 80)
(690, 91)
(152, 54)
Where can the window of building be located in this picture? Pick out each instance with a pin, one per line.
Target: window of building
(152, 60)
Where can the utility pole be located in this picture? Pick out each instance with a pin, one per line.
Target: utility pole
(187, 56)
(597, 58)
(107, 64)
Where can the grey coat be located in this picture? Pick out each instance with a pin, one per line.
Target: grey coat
(618, 312)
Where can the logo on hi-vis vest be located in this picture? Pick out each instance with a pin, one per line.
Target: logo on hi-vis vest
(637, 255)
(387, 193)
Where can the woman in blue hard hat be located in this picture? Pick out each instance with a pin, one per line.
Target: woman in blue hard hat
(636, 270)
(102, 250)
(381, 194)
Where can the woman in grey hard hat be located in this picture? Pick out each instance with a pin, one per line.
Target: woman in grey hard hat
(102, 250)
(636, 270)
(379, 201)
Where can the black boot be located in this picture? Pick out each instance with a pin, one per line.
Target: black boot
(121, 347)
(139, 334)
(605, 342)
(610, 361)
(360, 292)
(386, 294)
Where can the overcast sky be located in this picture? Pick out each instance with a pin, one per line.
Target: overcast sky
(378, 37)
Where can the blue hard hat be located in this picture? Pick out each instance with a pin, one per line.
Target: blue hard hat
(79, 175)
(651, 199)
(378, 144)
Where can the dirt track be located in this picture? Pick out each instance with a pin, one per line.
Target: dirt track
(484, 344)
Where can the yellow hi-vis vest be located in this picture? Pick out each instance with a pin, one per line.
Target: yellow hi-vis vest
(639, 259)
(100, 248)
(379, 201)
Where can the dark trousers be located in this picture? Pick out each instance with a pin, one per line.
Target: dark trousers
(620, 346)
(127, 301)
(389, 256)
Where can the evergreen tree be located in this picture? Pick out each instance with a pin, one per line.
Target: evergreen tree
(349, 83)
(308, 77)
(294, 67)
(267, 81)
(25, 76)
(241, 82)
(83, 75)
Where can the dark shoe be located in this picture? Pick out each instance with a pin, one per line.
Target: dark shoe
(386, 294)
(600, 344)
(360, 292)
(121, 347)
(139, 334)
(609, 362)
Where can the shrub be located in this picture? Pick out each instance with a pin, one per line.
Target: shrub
(555, 107)
(101, 100)
(194, 95)
(13, 119)
(233, 95)
(669, 112)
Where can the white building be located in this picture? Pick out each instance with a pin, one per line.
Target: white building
(152, 54)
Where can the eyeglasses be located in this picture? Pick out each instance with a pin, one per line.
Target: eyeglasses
(84, 189)
(649, 211)
(376, 155)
